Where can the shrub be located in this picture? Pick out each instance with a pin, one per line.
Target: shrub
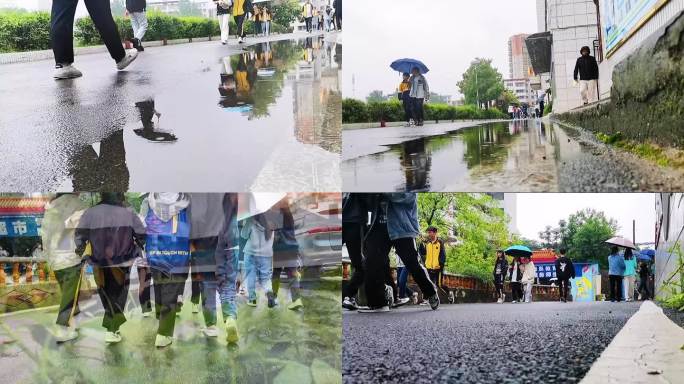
(355, 111)
(24, 31)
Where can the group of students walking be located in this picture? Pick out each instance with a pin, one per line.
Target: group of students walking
(174, 236)
(242, 10)
(413, 92)
(373, 224)
(326, 18)
(623, 270)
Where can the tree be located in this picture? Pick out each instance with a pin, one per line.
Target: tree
(434, 209)
(481, 82)
(587, 230)
(285, 12)
(375, 96)
(508, 98)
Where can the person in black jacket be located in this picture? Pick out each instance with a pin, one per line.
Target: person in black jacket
(515, 275)
(587, 69)
(564, 272)
(500, 270)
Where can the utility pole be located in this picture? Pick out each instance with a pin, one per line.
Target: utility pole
(634, 231)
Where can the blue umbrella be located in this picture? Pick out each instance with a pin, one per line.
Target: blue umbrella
(518, 251)
(644, 256)
(406, 65)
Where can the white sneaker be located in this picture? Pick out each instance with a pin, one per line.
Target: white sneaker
(231, 331)
(374, 310)
(147, 314)
(63, 334)
(163, 341)
(295, 305)
(499, 301)
(67, 71)
(503, 298)
(131, 55)
(210, 331)
(401, 301)
(195, 308)
(113, 337)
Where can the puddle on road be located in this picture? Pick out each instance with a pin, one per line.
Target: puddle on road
(264, 119)
(521, 155)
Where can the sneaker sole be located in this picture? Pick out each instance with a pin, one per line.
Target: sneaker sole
(67, 77)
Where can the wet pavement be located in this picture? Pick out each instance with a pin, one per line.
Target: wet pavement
(520, 155)
(545, 342)
(276, 345)
(196, 117)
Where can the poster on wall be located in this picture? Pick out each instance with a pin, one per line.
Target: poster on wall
(622, 18)
(583, 284)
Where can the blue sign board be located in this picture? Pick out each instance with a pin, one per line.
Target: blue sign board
(20, 226)
(545, 270)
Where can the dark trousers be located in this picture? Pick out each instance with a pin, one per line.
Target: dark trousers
(516, 291)
(167, 287)
(112, 287)
(417, 109)
(615, 282)
(68, 280)
(307, 20)
(408, 112)
(257, 27)
(434, 275)
(498, 285)
(145, 282)
(643, 288)
(338, 20)
(240, 22)
(195, 285)
(62, 28)
(541, 108)
(292, 278)
(563, 288)
(376, 263)
(352, 233)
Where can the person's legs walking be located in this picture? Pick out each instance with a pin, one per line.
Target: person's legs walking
(144, 278)
(250, 276)
(101, 14)
(406, 250)
(402, 280)
(62, 30)
(68, 280)
(264, 272)
(208, 285)
(376, 251)
(418, 110)
(351, 236)
(112, 283)
(584, 85)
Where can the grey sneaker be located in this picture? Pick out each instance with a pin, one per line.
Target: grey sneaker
(401, 301)
(131, 55)
(66, 71)
(434, 301)
(389, 295)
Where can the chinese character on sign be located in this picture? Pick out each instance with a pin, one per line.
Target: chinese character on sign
(19, 227)
(3, 228)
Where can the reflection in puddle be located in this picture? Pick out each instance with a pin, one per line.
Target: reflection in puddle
(518, 155)
(274, 124)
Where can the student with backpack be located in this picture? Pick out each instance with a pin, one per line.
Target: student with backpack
(565, 271)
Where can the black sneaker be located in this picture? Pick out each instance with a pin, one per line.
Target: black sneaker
(434, 301)
(271, 299)
(349, 303)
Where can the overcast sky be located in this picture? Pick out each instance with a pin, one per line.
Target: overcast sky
(536, 210)
(445, 34)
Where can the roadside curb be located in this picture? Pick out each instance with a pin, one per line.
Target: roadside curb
(646, 350)
(31, 56)
(351, 126)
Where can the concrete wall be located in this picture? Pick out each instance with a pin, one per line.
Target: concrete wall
(572, 24)
(660, 19)
(671, 241)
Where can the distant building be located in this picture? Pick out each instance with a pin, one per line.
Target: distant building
(518, 58)
(508, 203)
(172, 7)
(522, 88)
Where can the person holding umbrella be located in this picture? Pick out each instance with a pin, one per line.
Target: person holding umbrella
(616, 269)
(420, 91)
(517, 269)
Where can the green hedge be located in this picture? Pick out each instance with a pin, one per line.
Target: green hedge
(22, 31)
(355, 111)
(30, 31)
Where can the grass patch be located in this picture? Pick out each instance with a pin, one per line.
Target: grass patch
(648, 151)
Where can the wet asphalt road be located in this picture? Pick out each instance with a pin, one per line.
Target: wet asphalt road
(91, 134)
(522, 156)
(543, 342)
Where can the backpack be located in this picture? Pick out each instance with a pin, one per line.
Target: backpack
(168, 243)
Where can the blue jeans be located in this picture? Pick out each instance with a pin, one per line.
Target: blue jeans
(266, 27)
(227, 272)
(258, 268)
(402, 282)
